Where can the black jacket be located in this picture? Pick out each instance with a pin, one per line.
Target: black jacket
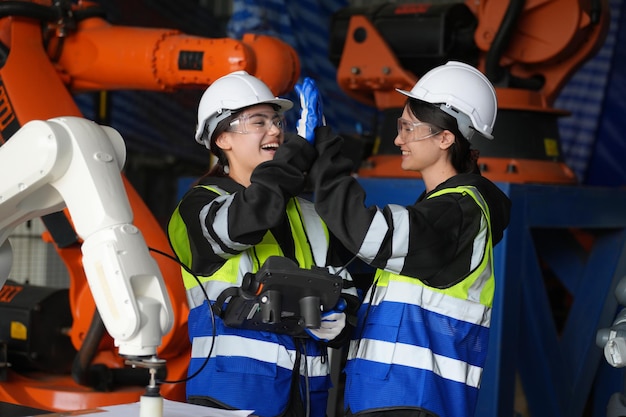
(437, 230)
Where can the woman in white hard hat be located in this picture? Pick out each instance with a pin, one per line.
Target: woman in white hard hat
(420, 343)
(244, 211)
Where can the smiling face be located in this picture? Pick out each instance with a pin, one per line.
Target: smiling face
(418, 144)
(425, 149)
(253, 138)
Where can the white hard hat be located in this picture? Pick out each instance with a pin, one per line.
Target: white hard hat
(463, 92)
(230, 93)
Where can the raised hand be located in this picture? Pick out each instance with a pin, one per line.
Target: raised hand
(312, 109)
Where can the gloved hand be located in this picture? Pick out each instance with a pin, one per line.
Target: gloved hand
(332, 323)
(312, 110)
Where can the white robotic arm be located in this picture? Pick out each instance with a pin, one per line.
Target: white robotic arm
(75, 163)
(613, 341)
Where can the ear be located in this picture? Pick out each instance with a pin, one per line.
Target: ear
(447, 139)
(223, 141)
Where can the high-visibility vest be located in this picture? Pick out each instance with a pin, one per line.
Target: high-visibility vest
(248, 368)
(417, 346)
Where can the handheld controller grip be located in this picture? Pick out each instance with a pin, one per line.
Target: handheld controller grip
(281, 297)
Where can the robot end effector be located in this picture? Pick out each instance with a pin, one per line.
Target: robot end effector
(75, 163)
(613, 339)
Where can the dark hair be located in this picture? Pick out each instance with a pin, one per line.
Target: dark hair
(463, 157)
(219, 169)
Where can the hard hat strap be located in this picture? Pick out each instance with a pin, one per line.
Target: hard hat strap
(463, 121)
(212, 123)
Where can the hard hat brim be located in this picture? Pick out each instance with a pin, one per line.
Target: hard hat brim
(408, 94)
(282, 104)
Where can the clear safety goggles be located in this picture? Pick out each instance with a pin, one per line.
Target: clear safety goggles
(260, 122)
(413, 131)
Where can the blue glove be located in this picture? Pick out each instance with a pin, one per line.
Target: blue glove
(312, 111)
(332, 323)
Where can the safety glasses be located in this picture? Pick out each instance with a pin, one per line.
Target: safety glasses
(413, 131)
(259, 122)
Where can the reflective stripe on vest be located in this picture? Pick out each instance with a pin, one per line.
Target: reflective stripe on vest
(231, 345)
(479, 285)
(439, 334)
(311, 219)
(310, 240)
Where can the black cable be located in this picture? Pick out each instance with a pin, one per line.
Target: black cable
(85, 355)
(45, 13)
(59, 13)
(92, 11)
(32, 10)
(213, 332)
(373, 289)
(346, 265)
(307, 387)
(493, 71)
(596, 11)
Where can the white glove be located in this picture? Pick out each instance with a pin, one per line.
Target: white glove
(332, 323)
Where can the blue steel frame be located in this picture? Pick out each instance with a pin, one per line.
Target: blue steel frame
(561, 371)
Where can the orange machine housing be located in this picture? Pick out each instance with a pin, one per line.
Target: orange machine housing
(546, 41)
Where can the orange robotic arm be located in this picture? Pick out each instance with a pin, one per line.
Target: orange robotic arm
(89, 54)
(47, 53)
(536, 46)
(99, 56)
(528, 49)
